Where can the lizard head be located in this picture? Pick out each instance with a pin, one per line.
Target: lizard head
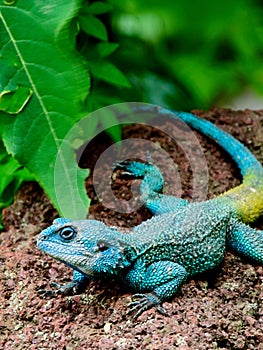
(88, 246)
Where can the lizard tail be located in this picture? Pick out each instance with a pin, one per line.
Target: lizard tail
(246, 199)
(246, 161)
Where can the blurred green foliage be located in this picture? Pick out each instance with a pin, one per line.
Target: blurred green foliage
(12, 175)
(182, 54)
(89, 54)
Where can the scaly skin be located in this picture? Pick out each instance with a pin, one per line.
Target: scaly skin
(183, 239)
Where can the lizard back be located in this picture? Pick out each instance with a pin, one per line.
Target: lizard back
(185, 236)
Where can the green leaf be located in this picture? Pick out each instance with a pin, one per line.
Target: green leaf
(106, 71)
(115, 133)
(40, 60)
(99, 7)
(93, 26)
(13, 102)
(105, 49)
(111, 124)
(12, 175)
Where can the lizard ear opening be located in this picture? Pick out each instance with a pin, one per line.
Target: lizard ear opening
(102, 246)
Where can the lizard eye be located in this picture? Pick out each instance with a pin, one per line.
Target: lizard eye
(67, 233)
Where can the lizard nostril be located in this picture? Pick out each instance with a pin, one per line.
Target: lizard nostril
(42, 237)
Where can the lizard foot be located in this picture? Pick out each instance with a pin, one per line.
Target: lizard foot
(46, 293)
(67, 289)
(145, 302)
(133, 168)
(70, 288)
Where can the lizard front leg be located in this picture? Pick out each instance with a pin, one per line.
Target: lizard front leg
(159, 282)
(76, 286)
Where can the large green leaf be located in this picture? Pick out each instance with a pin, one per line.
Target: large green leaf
(37, 55)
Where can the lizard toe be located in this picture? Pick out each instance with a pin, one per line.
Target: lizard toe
(145, 302)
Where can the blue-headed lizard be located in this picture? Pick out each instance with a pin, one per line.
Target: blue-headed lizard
(181, 240)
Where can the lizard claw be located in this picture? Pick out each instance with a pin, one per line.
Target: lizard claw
(46, 293)
(133, 168)
(145, 302)
(124, 165)
(68, 289)
(130, 165)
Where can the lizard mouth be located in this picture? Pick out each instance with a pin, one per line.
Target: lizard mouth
(74, 258)
(62, 252)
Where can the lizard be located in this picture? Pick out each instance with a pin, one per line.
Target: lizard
(182, 238)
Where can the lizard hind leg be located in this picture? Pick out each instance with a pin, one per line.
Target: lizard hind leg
(152, 179)
(246, 241)
(151, 186)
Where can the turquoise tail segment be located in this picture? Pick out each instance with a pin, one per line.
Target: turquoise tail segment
(245, 160)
